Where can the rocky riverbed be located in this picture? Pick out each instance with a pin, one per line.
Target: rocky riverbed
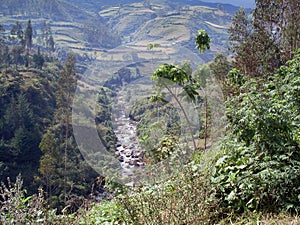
(127, 149)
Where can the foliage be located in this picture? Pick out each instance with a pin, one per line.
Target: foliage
(220, 68)
(251, 218)
(185, 198)
(171, 77)
(202, 41)
(28, 36)
(104, 213)
(261, 163)
(171, 73)
(167, 146)
(278, 20)
(157, 123)
(64, 174)
(17, 208)
(151, 46)
(266, 40)
(103, 118)
(26, 108)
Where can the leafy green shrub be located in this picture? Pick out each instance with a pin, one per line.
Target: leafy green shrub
(260, 166)
(105, 213)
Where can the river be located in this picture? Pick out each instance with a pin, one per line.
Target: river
(127, 150)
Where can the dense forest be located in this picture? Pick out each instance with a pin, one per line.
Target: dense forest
(247, 171)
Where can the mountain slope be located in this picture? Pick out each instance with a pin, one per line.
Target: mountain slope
(73, 28)
(170, 25)
(91, 27)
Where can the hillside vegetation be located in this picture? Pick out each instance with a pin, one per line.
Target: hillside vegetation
(168, 65)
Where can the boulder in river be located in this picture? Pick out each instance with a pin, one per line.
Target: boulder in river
(118, 145)
(128, 152)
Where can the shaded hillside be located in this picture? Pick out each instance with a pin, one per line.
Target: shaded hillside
(73, 28)
(27, 106)
(55, 10)
(95, 6)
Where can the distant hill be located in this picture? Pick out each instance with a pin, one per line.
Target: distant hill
(74, 28)
(170, 23)
(34, 9)
(94, 5)
(91, 28)
(241, 3)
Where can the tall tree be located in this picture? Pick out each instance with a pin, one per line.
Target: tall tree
(5, 56)
(47, 40)
(49, 168)
(38, 59)
(16, 54)
(64, 97)
(220, 66)
(266, 42)
(239, 34)
(203, 44)
(291, 28)
(28, 37)
(51, 43)
(282, 22)
(166, 77)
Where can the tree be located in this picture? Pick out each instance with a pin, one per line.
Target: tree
(239, 33)
(38, 59)
(266, 35)
(28, 37)
(16, 55)
(169, 75)
(5, 55)
(20, 137)
(280, 20)
(17, 34)
(220, 67)
(64, 97)
(268, 40)
(3, 47)
(202, 41)
(151, 46)
(203, 44)
(290, 28)
(50, 43)
(49, 168)
(47, 40)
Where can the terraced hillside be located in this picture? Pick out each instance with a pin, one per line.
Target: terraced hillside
(73, 28)
(93, 29)
(171, 26)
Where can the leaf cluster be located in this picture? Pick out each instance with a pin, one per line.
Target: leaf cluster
(260, 166)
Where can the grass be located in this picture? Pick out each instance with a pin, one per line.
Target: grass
(261, 219)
